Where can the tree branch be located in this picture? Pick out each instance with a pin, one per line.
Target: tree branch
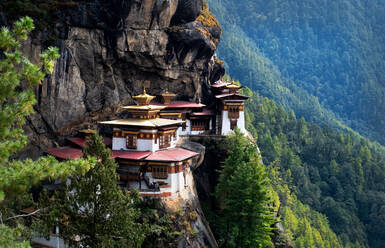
(23, 215)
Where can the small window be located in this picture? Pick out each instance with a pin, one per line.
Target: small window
(131, 141)
(197, 125)
(164, 140)
(159, 172)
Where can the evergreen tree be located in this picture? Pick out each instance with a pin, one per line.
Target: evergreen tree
(244, 195)
(17, 177)
(93, 208)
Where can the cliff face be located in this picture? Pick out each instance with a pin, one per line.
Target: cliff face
(109, 50)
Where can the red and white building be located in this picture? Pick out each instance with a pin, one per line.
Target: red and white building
(230, 107)
(144, 146)
(145, 143)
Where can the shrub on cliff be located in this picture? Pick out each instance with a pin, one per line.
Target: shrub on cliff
(245, 215)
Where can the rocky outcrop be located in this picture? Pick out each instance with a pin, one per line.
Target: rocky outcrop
(186, 208)
(109, 51)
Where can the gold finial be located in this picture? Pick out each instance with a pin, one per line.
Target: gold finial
(144, 98)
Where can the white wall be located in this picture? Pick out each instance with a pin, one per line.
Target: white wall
(175, 180)
(118, 143)
(142, 144)
(241, 122)
(187, 131)
(147, 145)
(225, 123)
(196, 132)
(226, 127)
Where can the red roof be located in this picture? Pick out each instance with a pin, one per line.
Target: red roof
(181, 104)
(82, 142)
(171, 155)
(136, 155)
(204, 112)
(65, 152)
(75, 153)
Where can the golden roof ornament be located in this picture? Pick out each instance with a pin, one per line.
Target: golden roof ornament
(88, 130)
(143, 99)
(233, 85)
(167, 97)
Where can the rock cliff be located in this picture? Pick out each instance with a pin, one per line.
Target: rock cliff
(108, 51)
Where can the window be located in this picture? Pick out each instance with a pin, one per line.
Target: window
(233, 112)
(164, 140)
(197, 125)
(131, 141)
(233, 124)
(160, 171)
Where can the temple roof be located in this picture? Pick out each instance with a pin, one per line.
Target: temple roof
(88, 130)
(82, 142)
(181, 104)
(219, 84)
(65, 152)
(227, 95)
(135, 155)
(158, 122)
(144, 107)
(205, 112)
(169, 155)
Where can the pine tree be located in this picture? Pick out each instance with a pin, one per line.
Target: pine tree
(243, 192)
(17, 78)
(93, 208)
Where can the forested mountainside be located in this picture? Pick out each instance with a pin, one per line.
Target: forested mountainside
(323, 59)
(333, 173)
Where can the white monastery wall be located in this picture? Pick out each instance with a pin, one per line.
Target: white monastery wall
(147, 145)
(187, 131)
(225, 123)
(241, 122)
(118, 143)
(226, 127)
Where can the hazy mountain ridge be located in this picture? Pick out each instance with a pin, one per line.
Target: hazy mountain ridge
(331, 50)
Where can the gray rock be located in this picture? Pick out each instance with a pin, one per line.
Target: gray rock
(109, 49)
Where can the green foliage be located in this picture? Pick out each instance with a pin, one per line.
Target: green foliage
(17, 78)
(94, 207)
(162, 229)
(305, 226)
(8, 237)
(338, 175)
(322, 59)
(245, 216)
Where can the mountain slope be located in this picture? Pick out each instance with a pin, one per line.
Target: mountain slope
(325, 58)
(338, 175)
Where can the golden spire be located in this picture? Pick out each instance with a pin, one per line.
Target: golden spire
(233, 85)
(167, 97)
(88, 130)
(144, 98)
